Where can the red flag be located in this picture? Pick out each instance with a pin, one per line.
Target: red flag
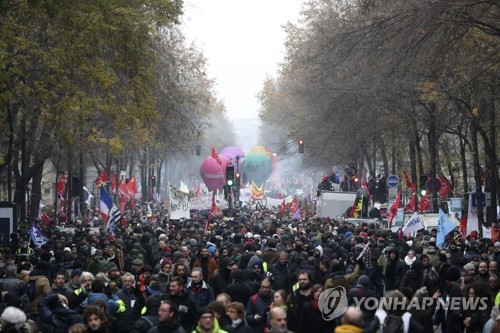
(400, 234)
(216, 156)
(365, 187)
(102, 178)
(61, 185)
(123, 203)
(45, 218)
(113, 181)
(413, 203)
(213, 209)
(132, 186)
(445, 187)
(294, 205)
(394, 208)
(409, 183)
(282, 207)
(122, 189)
(424, 204)
(463, 226)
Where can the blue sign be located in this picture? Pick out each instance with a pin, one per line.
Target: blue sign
(392, 181)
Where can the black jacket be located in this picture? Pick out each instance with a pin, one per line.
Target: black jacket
(173, 326)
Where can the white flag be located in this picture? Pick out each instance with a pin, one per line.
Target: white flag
(89, 196)
(413, 224)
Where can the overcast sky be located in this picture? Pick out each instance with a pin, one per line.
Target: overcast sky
(243, 41)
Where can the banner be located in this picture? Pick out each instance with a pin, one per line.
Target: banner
(179, 203)
(272, 202)
(201, 202)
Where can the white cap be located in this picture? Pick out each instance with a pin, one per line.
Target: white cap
(92, 250)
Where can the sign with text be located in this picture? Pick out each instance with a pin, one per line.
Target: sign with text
(179, 203)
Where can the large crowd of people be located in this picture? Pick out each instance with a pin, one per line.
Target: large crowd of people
(249, 273)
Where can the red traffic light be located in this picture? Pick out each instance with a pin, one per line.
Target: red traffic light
(237, 175)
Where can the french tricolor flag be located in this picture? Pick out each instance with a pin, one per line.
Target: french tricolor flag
(105, 204)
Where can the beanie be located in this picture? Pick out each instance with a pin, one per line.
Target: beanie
(111, 266)
(76, 272)
(453, 273)
(364, 281)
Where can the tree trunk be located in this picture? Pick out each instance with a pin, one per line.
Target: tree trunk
(477, 174)
(432, 152)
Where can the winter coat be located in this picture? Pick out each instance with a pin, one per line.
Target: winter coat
(201, 296)
(172, 326)
(54, 317)
(258, 304)
(42, 287)
(145, 323)
(187, 310)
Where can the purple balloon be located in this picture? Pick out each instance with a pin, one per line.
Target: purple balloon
(230, 153)
(212, 173)
(233, 151)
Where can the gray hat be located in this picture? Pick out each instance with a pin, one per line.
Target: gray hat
(111, 266)
(137, 262)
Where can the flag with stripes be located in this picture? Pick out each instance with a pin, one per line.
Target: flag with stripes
(114, 218)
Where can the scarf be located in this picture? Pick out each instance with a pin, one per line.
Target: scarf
(236, 322)
(314, 304)
(409, 261)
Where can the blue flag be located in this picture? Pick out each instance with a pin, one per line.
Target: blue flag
(36, 236)
(445, 226)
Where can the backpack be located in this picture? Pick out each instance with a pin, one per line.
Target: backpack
(31, 290)
(393, 324)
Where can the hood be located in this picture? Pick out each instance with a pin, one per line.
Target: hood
(320, 249)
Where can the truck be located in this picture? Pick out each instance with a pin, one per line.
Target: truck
(334, 203)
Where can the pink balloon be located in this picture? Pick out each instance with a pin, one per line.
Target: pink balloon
(212, 172)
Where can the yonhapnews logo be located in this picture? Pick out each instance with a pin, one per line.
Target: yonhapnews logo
(333, 303)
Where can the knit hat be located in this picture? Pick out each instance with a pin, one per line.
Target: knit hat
(205, 311)
(76, 272)
(137, 261)
(453, 273)
(13, 315)
(111, 266)
(469, 267)
(364, 281)
(165, 263)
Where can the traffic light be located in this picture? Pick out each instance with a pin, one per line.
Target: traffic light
(230, 175)
(237, 179)
(153, 181)
(301, 146)
(422, 184)
(198, 150)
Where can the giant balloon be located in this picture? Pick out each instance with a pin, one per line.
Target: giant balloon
(213, 173)
(258, 166)
(230, 153)
(233, 151)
